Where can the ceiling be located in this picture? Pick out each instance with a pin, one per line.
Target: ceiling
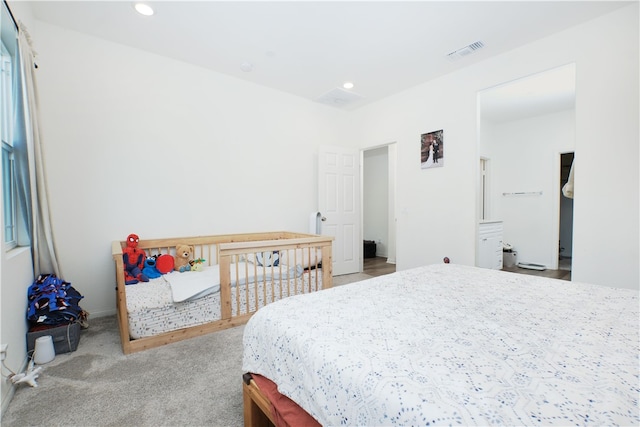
(310, 48)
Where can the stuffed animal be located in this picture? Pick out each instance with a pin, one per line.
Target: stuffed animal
(197, 264)
(182, 258)
(164, 263)
(133, 258)
(28, 377)
(150, 269)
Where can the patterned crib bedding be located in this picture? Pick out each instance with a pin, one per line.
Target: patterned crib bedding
(152, 310)
(454, 345)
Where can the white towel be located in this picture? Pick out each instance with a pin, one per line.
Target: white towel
(567, 189)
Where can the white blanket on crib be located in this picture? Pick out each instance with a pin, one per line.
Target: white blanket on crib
(196, 284)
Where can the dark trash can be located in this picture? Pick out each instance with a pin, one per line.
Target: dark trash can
(369, 249)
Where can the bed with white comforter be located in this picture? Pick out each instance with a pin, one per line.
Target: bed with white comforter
(453, 345)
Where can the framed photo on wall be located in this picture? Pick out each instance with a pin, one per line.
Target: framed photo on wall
(432, 150)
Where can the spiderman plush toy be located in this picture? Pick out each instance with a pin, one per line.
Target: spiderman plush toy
(133, 261)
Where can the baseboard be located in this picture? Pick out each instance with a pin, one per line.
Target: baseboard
(6, 399)
(103, 313)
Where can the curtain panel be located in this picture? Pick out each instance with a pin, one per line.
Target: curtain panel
(30, 166)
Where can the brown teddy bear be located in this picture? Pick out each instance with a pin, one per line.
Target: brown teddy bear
(182, 258)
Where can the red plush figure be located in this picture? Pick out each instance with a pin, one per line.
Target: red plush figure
(133, 258)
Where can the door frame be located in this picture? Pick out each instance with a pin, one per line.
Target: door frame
(392, 156)
(558, 195)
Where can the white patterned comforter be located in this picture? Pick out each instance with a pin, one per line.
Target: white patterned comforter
(453, 345)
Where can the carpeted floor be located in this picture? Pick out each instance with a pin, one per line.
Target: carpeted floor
(196, 382)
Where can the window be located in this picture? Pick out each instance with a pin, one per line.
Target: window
(8, 87)
(8, 195)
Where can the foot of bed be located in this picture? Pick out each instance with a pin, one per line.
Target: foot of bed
(257, 411)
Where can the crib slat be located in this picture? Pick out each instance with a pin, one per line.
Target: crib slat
(255, 284)
(225, 287)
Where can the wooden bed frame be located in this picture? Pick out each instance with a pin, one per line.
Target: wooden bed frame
(223, 250)
(257, 407)
(261, 411)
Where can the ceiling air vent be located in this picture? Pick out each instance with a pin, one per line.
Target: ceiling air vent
(464, 51)
(338, 98)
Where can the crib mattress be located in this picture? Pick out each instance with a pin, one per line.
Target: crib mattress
(152, 311)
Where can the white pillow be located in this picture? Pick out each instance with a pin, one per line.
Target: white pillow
(266, 259)
(303, 257)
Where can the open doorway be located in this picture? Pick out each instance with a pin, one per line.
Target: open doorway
(378, 210)
(523, 127)
(565, 238)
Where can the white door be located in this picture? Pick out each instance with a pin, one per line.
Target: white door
(339, 203)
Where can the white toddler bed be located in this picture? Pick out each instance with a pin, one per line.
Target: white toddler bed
(242, 273)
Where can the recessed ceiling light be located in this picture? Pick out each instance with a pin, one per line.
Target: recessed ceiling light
(143, 9)
(348, 85)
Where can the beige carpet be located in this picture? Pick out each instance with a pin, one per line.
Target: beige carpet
(197, 382)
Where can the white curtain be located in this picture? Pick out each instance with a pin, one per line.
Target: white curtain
(31, 168)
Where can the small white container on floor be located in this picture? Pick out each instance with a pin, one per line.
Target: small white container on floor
(44, 351)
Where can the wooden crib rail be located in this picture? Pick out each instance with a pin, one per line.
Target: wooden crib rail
(222, 238)
(231, 253)
(223, 250)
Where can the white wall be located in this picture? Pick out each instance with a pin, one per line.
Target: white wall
(606, 233)
(436, 207)
(16, 275)
(376, 198)
(139, 143)
(525, 157)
